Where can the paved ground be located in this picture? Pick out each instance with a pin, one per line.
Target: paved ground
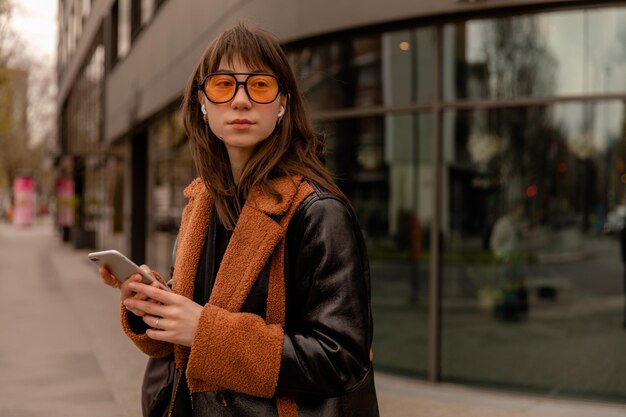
(62, 352)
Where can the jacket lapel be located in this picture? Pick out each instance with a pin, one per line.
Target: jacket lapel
(254, 239)
(192, 234)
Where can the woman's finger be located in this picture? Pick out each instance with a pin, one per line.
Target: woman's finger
(156, 293)
(108, 278)
(126, 291)
(139, 296)
(155, 322)
(159, 335)
(137, 313)
(148, 306)
(155, 285)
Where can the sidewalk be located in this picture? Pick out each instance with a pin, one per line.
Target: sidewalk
(63, 354)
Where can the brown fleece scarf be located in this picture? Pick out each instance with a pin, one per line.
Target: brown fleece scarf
(250, 347)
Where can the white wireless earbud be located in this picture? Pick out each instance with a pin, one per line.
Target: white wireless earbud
(203, 109)
(281, 112)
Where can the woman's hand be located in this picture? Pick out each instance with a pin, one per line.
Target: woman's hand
(173, 318)
(108, 278)
(125, 292)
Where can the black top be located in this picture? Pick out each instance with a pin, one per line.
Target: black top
(219, 237)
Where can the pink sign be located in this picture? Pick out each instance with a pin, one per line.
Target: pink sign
(65, 201)
(24, 198)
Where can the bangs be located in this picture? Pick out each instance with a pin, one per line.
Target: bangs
(254, 49)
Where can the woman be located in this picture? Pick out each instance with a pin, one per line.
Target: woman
(270, 309)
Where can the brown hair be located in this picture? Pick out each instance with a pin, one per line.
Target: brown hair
(293, 148)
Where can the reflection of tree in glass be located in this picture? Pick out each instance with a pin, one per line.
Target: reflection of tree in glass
(532, 147)
(519, 62)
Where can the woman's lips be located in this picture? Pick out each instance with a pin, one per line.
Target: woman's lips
(241, 123)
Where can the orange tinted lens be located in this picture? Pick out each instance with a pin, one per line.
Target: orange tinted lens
(220, 88)
(262, 88)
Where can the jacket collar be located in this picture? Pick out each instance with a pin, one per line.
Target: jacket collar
(255, 236)
(258, 200)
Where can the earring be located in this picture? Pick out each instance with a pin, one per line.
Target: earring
(203, 109)
(281, 112)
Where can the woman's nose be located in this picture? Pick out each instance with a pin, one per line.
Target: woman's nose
(241, 99)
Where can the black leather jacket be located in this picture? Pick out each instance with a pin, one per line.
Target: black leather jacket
(325, 362)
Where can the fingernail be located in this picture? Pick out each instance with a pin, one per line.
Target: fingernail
(132, 286)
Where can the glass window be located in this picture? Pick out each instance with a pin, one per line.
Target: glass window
(111, 221)
(82, 126)
(383, 165)
(407, 66)
(114, 34)
(135, 18)
(560, 53)
(533, 271)
(391, 69)
(511, 57)
(340, 74)
(147, 11)
(123, 28)
(84, 112)
(606, 46)
(173, 169)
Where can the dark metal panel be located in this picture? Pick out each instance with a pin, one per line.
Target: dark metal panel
(434, 311)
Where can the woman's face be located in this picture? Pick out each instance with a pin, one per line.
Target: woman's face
(242, 123)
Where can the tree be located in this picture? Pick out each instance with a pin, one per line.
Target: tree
(11, 46)
(27, 108)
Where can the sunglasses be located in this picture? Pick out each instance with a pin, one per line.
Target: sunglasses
(221, 87)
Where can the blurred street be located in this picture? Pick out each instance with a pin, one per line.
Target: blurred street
(63, 354)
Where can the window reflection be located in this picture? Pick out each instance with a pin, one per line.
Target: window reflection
(112, 179)
(338, 74)
(123, 28)
(355, 155)
(173, 170)
(147, 11)
(527, 197)
(394, 69)
(383, 165)
(607, 50)
(407, 65)
(560, 53)
(82, 125)
(498, 58)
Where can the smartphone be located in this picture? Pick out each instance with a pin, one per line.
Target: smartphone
(122, 267)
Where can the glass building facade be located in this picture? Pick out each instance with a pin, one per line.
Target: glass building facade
(81, 132)
(485, 158)
(519, 124)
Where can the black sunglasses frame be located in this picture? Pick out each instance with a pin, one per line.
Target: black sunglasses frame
(244, 83)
